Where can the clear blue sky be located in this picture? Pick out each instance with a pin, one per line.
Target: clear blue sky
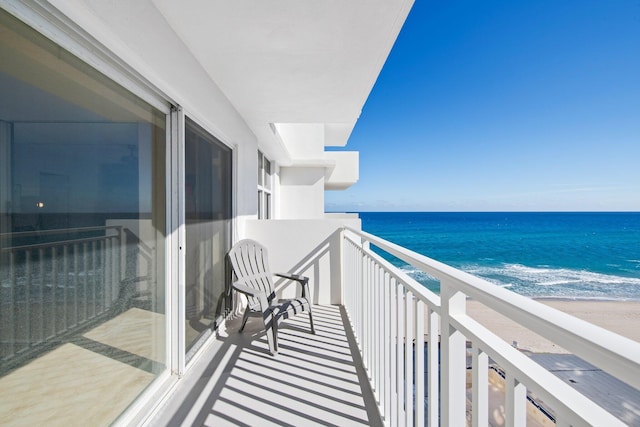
(502, 106)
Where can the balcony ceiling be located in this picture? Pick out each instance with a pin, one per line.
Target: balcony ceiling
(290, 61)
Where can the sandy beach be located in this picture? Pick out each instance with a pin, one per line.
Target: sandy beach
(621, 317)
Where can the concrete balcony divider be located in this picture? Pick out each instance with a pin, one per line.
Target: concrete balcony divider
(395, 319)
(309, 247)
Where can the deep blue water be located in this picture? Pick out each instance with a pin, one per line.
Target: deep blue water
(568, 255)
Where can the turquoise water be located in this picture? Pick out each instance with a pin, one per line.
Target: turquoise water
(553, 255)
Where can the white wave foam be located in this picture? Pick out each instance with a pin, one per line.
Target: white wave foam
(546, 281)
(417, 274)
(546, 276)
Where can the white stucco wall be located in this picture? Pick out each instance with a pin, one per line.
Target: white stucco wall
(308, 247)
(301, 193)
(303, 140)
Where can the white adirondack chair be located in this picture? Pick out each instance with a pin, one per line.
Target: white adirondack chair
(254, 279)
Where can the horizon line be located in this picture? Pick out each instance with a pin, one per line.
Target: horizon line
(481, 211)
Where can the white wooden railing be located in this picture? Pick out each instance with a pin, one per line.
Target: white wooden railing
(390, 314)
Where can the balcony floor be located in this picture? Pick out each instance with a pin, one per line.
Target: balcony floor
(314, 379)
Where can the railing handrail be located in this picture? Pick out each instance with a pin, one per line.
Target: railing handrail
(56, 243)
(613, 353)
(419, 291)
(57, 231)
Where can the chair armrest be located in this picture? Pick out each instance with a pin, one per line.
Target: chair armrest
(296, 277)
(303, 280)
(250, 292)
(246, 290)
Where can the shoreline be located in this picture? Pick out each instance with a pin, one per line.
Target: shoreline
(581, 299)
(618, 316)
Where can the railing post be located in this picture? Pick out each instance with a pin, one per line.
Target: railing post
(480, 384)
(400, 322)
(54, 289)
(453, 358)
(379, 335)
(12, 304)
(94, 276)
(433, 369)
(408, 358)
(41, 279)
(361, 307)
(65, 284)
(107, 277)
(419, 363)
(393, 354)
(103, 276)
(515, 402)
(388, 342)
(85, 282)
(117, 270)
(76, 276)
(375, 357)
(366, 322)
(122, 244)
(27, 296)
(343, 271)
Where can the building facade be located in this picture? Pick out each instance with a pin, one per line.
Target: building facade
(138, 141)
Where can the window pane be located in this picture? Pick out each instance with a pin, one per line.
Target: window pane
(260, 169)
(208, 230)
(267, 173)
(81, 237)
(267, 214)
(260, 210)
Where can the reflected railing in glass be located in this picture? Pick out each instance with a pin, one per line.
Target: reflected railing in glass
(55, 284)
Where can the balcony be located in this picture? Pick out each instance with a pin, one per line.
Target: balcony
(376, 360)
(314, 380)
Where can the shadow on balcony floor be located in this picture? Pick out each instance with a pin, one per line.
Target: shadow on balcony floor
(314, 379)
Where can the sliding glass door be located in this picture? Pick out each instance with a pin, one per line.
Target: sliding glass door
(208, 231)
(82, 232)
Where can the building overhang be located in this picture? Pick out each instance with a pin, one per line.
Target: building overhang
(290, 61)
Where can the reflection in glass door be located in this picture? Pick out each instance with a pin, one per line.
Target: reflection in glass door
(208, 231)
(82, 232)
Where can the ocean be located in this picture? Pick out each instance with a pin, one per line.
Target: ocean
(576, 255)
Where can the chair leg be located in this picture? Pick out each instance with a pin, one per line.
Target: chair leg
(271, 328)
(313, 330)
(275, 335)
(245, 318)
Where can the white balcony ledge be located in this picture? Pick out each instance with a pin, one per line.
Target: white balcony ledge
(345, 171)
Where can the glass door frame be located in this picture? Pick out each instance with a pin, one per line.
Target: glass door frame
(176, 233)
(176, 240)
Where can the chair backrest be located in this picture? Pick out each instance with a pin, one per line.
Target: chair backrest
(250, 264)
